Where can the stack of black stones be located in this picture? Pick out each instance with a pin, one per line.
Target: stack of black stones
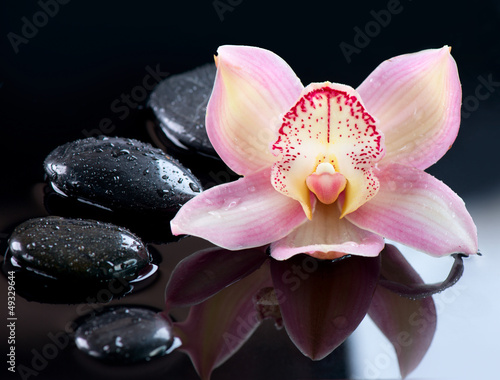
(108, 197)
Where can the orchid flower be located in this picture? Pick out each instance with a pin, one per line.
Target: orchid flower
(330, 170)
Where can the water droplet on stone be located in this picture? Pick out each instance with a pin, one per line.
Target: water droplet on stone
(179, 103)
(194, 187)
(124, 180)
(116, 335)
(95, 247)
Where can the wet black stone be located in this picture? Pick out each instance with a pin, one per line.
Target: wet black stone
(118, 174)
(151, 227)
(180, 103)
(124, 335)
(77, 250)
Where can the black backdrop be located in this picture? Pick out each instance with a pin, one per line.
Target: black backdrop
(61, 78)
(67, 72)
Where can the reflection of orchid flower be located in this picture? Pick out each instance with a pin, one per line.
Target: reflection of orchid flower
(320, 302)
(329, 170)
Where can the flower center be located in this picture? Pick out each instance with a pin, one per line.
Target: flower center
(328, 144)
(325, 183)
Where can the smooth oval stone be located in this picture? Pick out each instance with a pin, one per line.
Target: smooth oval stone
(77, 249)
(180, 104)
(125, 334)
(120, 174)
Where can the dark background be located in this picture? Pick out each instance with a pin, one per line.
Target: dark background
(65, 78)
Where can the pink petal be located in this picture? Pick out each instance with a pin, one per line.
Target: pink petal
(408, 324)
(242, 214)
(322, 302)
(417, 98)
(414, 208)
(327, 236)
(218, 327)
(253, 88)
(204, 273)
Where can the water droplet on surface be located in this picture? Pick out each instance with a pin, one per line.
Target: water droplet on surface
(340, 322)
(392, 185)
(232, 203)
(215, 213)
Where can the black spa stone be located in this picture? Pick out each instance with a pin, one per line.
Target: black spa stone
(120, 174)
(180, 103)
(124, 335)
(77, 250)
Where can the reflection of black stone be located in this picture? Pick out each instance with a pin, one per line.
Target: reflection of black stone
(151, 227)
(124, 334)
(180, 104)
(37, 287)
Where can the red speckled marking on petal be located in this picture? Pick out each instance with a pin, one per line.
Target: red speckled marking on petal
(328, 124)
